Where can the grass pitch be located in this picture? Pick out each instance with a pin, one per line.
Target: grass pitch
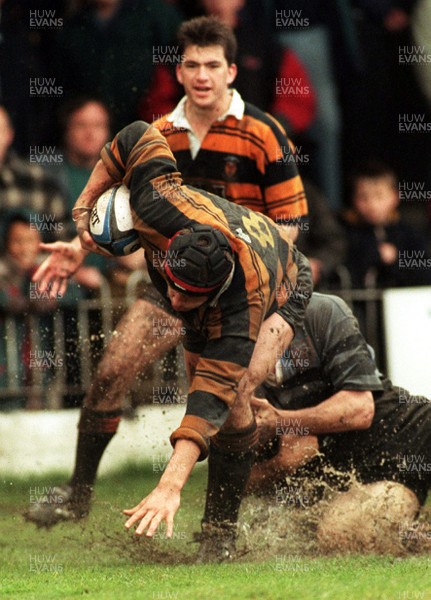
(100, 559)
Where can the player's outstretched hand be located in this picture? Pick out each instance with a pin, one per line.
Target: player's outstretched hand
(160, 505)
(63, 261)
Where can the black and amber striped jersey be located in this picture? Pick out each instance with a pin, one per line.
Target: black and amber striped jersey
(270, 274)
(247, 161)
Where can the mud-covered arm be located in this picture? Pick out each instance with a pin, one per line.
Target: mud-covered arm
(99, 181)
(345, 410)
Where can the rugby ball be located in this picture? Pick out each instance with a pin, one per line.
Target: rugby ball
(111, 222)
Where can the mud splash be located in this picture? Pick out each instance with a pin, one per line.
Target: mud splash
(287, 526)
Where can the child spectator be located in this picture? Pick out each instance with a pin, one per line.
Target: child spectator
(21, 301)
(382, 249)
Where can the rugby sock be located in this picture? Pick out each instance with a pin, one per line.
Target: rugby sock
(230, 460)
(96, 429)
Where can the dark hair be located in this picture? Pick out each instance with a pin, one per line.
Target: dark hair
(208, 31)
(69, 108)
(11, 217)
(373, 169)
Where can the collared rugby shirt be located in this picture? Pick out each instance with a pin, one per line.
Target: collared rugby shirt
(248, 161)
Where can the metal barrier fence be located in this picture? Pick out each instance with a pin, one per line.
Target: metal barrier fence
(42, 379)
(45, 358)
(366, 303)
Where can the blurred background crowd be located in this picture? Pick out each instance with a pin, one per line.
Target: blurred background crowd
(349, 80)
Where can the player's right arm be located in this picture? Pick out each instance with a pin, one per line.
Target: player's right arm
(163, 502)
(100, 180)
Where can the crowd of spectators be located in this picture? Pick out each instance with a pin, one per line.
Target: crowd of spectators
(349, 81)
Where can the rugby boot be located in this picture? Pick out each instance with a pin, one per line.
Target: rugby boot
(217, 543)
(63, 503)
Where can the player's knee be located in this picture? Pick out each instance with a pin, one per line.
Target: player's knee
(368, 518)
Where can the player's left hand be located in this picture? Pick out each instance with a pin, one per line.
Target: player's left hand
(160, 505)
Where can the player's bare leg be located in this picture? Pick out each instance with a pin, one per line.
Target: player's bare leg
(133, 347)
(135, 344)
(232, 450)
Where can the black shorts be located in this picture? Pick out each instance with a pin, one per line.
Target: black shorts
(397, 447)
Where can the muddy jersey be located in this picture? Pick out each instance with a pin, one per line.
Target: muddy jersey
(329, 354)
(246, 160)
(270, 274)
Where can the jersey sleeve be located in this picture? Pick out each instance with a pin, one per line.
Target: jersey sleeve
(346, 360)
(285, 198)
(213, 389)
(225, 347)
(133, 148)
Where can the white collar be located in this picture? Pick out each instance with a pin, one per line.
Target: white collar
(178, 115)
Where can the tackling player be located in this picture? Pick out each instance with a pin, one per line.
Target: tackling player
(332, 411)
